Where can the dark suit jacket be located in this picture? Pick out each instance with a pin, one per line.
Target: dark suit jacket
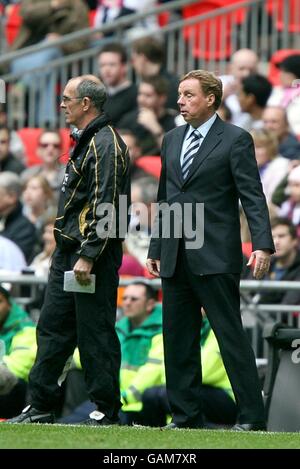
(223, 171)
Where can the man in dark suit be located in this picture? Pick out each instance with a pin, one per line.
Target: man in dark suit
(207, 166)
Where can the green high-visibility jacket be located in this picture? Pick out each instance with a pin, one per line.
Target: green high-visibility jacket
(19, 335)
(142, 364)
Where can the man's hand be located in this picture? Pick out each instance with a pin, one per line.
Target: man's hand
(7, 380)
(82, 270)
(153, 266)
(262, 263)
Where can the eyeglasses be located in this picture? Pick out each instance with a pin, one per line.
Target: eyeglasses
(131, 298)
(50, 144)
(67, 99)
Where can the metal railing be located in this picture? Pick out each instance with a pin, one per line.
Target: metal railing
(254, 315)
(203, 41)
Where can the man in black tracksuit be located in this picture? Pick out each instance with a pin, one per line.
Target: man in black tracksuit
(89, 232)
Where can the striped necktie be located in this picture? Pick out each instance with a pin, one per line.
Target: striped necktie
(190, 152)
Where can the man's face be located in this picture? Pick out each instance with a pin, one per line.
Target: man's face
(284, 243)
(133, 148)
(245, 100)
(72, 105)
(244, 64)
(4, 144)
(4, 309)
(148, 98)
(49, 148)
(135, 304)
(194, 106)
(274, 119)
(111, 70)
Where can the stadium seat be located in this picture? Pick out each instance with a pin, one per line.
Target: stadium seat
(207, 37)
(277, 57)
(279, 9)
(13, 23)
(150, 164)
(30, 137)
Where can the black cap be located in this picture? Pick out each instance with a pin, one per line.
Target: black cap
(291, 64)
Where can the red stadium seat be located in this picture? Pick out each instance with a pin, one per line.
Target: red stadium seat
(277, 57)
(150, 164)
(207, 37)
(279, 8)
(13, 23)
(30, 138)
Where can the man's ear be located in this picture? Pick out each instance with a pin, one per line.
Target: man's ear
(86, 103)
(210, 99)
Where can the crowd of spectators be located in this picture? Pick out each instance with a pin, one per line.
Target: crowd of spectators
(143, 108)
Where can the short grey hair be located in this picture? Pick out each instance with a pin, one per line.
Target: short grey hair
(93, 90)
(11, 183)
(148, 187)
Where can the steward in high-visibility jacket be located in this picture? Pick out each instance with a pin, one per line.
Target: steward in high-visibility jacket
(142, 364)
(17, 354)
(18, 333)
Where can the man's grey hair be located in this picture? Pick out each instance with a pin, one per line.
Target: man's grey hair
(95, 91)
(148, 187)
(11, 183)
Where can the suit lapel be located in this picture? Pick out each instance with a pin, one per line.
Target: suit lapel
(212, 139)
(178, 146)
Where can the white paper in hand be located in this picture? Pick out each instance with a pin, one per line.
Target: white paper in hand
(71, 283)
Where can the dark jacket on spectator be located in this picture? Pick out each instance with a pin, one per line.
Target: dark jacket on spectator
(39, 19)
(19, 229)
(291, 297)
(290, 147)
(11, 163)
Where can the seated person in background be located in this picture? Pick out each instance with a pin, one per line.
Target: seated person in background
(13, 224)
(17, 333)
(272, 166)
(8, 162)
(244, 62)
(148, 61)
(253, 96)
(143, 197)
(290, 208)
(49, 150)
(11, 257)
(152, 118)
(41, 263)
(285, 263)
(287, 94)
(38, 200)
(121, 93)
(275, 119)
(142, 366)
(219, 406)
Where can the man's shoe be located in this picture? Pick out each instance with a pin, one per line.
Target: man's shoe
(174, 426)
(250, 427)
(32, 415)
(98, 418)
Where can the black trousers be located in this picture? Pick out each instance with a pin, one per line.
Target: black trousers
(87, 320)
(183, 296)
(218, 407)
(11, 404)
